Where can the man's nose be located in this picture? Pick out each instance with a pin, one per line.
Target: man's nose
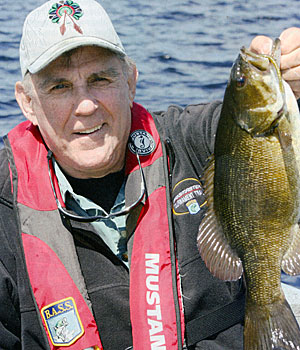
(86, 105)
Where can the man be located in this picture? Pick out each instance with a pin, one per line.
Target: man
(93, 186)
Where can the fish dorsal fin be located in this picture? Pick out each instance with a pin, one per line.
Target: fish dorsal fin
(291, 260)
(219, 257)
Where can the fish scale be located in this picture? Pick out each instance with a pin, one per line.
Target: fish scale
(252, 185)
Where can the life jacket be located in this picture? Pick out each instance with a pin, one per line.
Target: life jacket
(65, 309)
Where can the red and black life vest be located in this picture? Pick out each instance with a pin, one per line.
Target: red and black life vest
(65, 310)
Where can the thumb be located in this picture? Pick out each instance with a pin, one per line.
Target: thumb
(261, 44)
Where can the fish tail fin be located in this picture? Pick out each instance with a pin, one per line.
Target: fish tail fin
(271, 328)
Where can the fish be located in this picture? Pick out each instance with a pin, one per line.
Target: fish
(252, 185)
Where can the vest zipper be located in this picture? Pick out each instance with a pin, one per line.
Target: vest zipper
(169, 160)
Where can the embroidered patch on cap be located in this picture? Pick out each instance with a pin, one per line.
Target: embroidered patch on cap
(68, 10)
(141, 142)
(63, 322)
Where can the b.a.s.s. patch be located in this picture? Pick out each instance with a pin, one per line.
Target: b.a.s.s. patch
(187, 197)
(63, 322)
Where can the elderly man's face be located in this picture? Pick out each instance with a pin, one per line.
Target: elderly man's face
(82, 108)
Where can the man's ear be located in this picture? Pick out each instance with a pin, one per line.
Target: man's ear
(132, 81)
(25, 102)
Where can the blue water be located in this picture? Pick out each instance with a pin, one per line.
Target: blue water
(183, 49)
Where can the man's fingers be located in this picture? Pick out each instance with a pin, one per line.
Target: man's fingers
(290, 60)
(290, 55)
(290, 40)
(295, 86)
(261, 44)
(291, 74)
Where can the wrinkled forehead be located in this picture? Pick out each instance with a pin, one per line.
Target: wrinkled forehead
(84, 54)
(85, 57)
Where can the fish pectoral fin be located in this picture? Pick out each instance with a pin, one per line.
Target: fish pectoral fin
(221, 260)
(291, 259)
(219, 257)
(285, 140)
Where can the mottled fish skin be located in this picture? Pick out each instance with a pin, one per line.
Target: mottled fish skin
(253, 195)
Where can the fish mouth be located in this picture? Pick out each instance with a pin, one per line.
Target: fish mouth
(261, 62)
(264, 62)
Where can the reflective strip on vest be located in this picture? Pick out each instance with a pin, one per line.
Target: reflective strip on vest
(151, 277)
(66, 317)
(153, 315)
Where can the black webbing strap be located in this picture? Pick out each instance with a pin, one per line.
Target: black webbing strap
(216, 321)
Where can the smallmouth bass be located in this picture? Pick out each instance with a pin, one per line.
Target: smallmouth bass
(252, 185)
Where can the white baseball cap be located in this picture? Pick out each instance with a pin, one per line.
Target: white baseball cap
(61, 25)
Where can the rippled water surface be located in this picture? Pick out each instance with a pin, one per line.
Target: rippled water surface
(183, 49)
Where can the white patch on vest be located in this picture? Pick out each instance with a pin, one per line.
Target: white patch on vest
(157, 338)
(141, 142)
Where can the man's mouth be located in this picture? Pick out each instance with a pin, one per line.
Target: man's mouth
(89, 131)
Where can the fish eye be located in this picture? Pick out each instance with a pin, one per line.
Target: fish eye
(241, 81)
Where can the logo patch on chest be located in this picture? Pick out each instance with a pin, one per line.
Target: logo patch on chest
(63, 322)
(141, 142)
(187, 197)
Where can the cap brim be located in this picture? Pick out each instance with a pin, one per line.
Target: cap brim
(71, 43)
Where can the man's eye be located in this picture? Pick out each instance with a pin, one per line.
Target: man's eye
(97, 80)
(59, 87)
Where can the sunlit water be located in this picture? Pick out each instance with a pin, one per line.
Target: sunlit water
(183, 49)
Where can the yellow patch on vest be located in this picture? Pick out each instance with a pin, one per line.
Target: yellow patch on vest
(63, 322)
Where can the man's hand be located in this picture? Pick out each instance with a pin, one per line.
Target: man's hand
(290, 55)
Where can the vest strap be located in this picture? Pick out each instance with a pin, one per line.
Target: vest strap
(208, 325)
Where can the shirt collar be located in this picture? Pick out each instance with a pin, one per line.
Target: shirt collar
(66, 191)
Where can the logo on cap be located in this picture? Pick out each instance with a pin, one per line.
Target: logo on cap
(67, 9)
